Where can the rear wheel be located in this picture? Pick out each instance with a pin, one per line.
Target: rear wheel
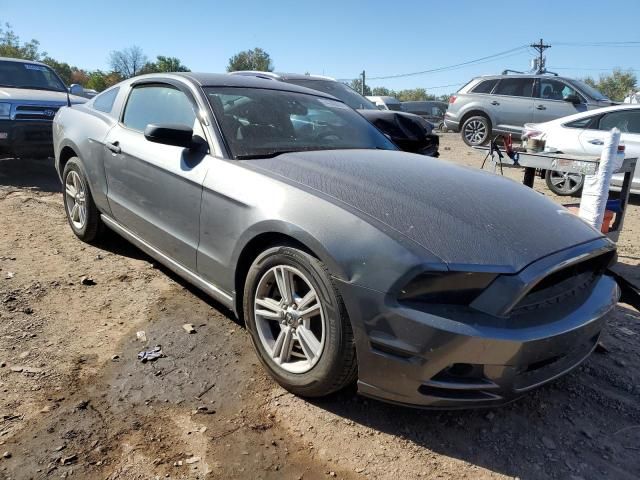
(563, 183)
(298, 324)
(476, 130)
(82, 213)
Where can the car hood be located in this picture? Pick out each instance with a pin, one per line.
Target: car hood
(34, 96)
(399, 124)
(468, 218)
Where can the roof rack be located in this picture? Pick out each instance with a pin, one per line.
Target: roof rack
(544, 72)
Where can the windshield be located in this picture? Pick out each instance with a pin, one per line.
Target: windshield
(28, 75)
(259, 123)
(589, 90)
(339, 90)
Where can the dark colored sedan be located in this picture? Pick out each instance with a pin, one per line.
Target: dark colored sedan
(412, 133)
(346, 258)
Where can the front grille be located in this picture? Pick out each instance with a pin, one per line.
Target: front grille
(35, 112)
(566, 283)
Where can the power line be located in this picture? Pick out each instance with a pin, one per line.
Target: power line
(450, 67)
(599, 44)
(598, 69)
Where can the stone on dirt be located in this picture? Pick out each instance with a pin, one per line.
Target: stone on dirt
(191, 460)
(6, 455)
(140, 335)
(86, 280)
(189, 328)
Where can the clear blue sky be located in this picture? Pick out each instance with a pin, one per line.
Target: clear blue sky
(338, 38)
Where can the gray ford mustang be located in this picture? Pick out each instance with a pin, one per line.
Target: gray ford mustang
(346, 258)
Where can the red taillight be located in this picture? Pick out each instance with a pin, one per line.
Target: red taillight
(452, 98)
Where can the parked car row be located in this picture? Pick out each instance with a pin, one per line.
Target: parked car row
(347, 259)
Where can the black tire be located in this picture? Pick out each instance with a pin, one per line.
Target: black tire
(92, 227)
(564, 185)
(336, 366)
(476, 130)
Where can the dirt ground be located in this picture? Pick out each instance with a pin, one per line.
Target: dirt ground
(76, 402)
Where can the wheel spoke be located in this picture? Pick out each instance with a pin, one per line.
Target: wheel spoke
(282, 348)
(74, 212)
(308, 342)
(283, 279)
(271, 309)
(71, 191)
(76, 181)
(305, 301)
(82, 214)
(311, 311)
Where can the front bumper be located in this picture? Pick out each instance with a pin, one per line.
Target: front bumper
(424, 359)
(26, 138)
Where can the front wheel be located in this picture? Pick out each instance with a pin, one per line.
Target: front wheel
(476, 130)
(563, 183)
(82, 213)
(298, 323)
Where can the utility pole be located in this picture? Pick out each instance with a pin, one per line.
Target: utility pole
(363, 79)
(540, 47)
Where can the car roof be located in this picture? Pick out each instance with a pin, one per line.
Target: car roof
(282, 75)
(227, 80)
(597, 111)
(21, 60)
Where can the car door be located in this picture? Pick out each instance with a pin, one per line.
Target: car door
(155, 190)
(512, 102)
(550, 100)
(628, 122)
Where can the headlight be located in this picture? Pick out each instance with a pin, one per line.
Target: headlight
(5, 110)
(450, 288)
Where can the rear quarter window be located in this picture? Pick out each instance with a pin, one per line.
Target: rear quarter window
(104, 102)
(485, 86)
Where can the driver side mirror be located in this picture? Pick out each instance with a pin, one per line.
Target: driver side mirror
(572, 98)
(176, 135)
(76, 89)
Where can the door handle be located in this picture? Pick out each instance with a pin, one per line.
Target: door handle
(495, 103)
(596, 141)
(113, 147)
(541, 107)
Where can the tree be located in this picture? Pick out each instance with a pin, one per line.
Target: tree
(382, 92)
(164, 64)
(356, 84)
(616, 86)
(256, 59)
(127, 62)
(413, 94)
(11, 46)
(99, 80)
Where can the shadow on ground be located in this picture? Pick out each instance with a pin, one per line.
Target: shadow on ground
(34, 174)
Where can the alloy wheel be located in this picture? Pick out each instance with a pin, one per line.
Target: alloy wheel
(75, 193)
(475, 131)
(290, 319)
(566, 183)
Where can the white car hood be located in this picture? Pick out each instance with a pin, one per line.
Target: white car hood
(34, 96)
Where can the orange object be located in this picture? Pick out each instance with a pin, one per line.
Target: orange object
(606, 220)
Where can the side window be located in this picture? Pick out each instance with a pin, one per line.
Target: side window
(515, 87)
(437, 111)
(160, 104)
(628, 121)
(555, 90)
(485, 86)
(582, 123)
(104, 102)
